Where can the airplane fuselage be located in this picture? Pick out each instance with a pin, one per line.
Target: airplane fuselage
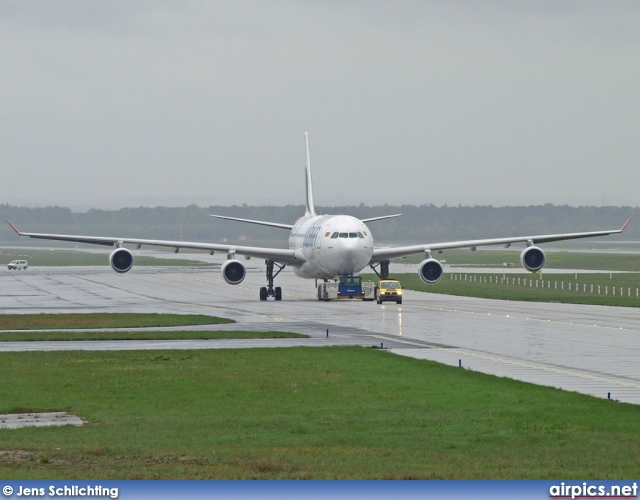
(332, 245)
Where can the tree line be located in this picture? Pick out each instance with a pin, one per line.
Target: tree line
(418, 224)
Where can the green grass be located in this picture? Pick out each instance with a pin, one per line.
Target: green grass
(302, 413)
(493, 286)
(144, 335)
(62, 257)
(104, 320)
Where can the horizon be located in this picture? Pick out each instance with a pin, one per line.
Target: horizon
(321, 207)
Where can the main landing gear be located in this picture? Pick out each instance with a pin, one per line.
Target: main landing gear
(269, 290)
(384, 269)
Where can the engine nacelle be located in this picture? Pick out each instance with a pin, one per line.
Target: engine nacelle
(430, 271)
(233, 271)
(121, 260)
(532, 259)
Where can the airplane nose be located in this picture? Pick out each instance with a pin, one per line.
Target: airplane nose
(354, 256)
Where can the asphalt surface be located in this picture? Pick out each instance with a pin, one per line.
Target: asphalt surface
(588, 349)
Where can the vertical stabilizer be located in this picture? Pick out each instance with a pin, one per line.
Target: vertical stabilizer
(310, 209)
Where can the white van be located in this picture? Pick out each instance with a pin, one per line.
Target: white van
(17, 264)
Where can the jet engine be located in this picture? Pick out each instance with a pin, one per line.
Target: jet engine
(233, 271)
(121, 260)
(532, 259)
(430, 271)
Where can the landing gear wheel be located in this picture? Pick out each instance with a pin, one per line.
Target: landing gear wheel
(269, 290)
(399, 301)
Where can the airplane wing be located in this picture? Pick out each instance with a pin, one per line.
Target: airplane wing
(381, 254)
(284, 256)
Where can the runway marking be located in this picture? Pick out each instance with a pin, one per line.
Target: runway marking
(243, 287)
(537, 366)
(417, 343)
(541, 320)
(150, 297)
(511, 316)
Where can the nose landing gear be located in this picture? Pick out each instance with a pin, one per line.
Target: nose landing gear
(270, 290)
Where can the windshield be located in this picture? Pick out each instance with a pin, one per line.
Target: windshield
(350, 280)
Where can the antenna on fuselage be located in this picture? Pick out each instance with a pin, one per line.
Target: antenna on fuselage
(310, 209)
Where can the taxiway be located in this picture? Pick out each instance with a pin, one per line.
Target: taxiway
(588, 349)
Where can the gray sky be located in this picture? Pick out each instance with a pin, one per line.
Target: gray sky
(109, 104)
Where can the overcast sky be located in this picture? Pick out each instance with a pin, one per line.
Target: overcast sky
(108, 104)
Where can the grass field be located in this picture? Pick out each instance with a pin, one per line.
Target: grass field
(51, 322)
(104, 320)
(303, 413)
(28, 336)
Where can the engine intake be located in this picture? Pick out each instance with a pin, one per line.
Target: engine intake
(233, 271)
(121, 260)
(532, 259)
(430, 271)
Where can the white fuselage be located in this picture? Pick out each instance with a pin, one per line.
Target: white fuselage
(333, 245)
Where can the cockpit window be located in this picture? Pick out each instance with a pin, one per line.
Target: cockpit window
(344, 235)
(360, 235)
(334, 235)
(353, 235)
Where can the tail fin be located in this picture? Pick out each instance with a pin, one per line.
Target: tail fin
(310, 209)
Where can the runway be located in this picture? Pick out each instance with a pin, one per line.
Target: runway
(589, 349)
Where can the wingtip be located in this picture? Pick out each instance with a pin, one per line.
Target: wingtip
(626, 224)
(12, 226)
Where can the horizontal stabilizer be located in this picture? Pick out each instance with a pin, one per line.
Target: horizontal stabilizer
(380, 218)
(259, 222)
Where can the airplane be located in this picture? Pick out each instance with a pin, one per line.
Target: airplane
(322, 247)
